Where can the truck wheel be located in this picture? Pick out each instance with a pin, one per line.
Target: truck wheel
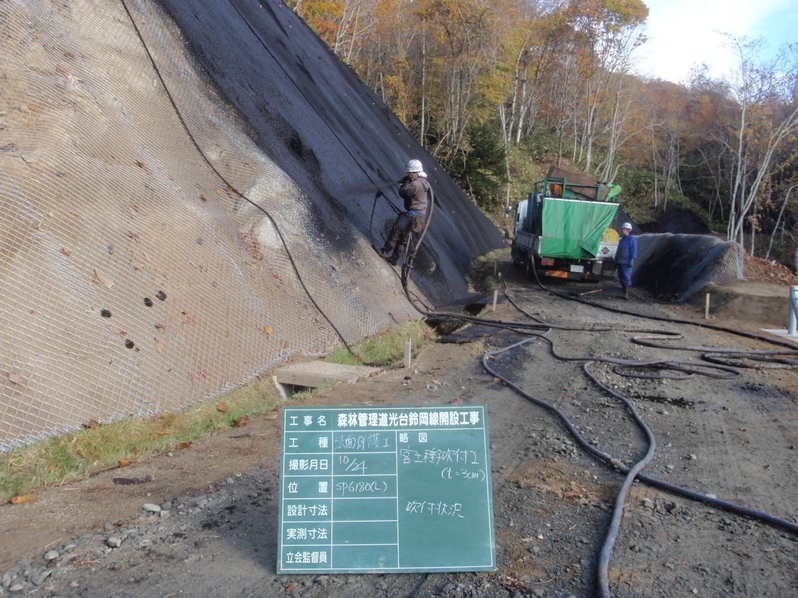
(517, 256)
(529, 265)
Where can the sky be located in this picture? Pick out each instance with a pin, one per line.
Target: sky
(684, 33)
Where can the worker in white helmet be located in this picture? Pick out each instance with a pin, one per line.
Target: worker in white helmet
(415, 190)
(625, 257)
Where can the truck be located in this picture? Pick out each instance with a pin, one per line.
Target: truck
(567, 228)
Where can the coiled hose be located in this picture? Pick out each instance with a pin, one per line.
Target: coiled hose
(633, 472)
(688, 368)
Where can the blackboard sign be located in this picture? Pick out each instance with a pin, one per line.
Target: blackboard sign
(389, 489)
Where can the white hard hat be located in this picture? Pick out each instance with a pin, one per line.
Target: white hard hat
(626, 225)
(414, 166)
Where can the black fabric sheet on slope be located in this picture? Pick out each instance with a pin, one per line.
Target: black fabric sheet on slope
(311, 114)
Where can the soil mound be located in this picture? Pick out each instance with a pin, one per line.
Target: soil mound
(765, 271)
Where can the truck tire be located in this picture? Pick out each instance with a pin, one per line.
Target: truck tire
(516, 255)
(529, 266)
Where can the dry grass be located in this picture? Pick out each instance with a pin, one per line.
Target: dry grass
(74, 455)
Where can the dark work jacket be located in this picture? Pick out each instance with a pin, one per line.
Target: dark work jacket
(415, 193)
(626, 254)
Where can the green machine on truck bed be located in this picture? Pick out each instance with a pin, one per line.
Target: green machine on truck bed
(565, 228)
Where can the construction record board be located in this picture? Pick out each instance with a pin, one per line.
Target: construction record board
(385, 489)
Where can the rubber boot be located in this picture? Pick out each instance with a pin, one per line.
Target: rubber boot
(386, 255)
(626, 292)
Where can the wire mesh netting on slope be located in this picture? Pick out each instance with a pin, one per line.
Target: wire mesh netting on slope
(676, 266)
(152, 254)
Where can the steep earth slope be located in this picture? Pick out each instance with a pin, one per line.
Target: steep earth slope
(187, 193)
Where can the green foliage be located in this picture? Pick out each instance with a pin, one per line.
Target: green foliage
(542, 145)
(638, 189)
(482, 275)
(386, 349)
(480, 170)
(699, 180)
(525, 171)
(637, 185)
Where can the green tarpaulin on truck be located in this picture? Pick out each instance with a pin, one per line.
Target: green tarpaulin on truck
(573, 229)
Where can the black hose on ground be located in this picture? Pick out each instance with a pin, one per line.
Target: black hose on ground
(633, 472)
(602, 575)
(620, 499)
(688, 368)
(707, 325)
(776, 359)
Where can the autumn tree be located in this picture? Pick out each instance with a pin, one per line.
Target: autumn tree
(608, 31)
(464, 46)
(706, 145)
(767, 119)
(323, 16)
(393, 61)
(470, 76)
(663, 118)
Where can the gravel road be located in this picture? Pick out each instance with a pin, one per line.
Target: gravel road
(203, 521)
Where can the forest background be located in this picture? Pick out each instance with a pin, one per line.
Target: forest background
(499, 90)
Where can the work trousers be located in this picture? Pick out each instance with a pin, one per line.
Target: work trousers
(400, 233)
(624, 274)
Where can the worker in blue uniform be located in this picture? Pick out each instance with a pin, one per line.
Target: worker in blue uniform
(625, 257)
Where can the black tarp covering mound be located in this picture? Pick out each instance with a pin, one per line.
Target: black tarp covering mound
(676, 266)
(339, 142)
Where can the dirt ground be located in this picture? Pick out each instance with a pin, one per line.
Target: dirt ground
(203, 521)
(758, 270)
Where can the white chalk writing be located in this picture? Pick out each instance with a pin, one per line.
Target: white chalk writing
(436, 508)
(436, 456)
